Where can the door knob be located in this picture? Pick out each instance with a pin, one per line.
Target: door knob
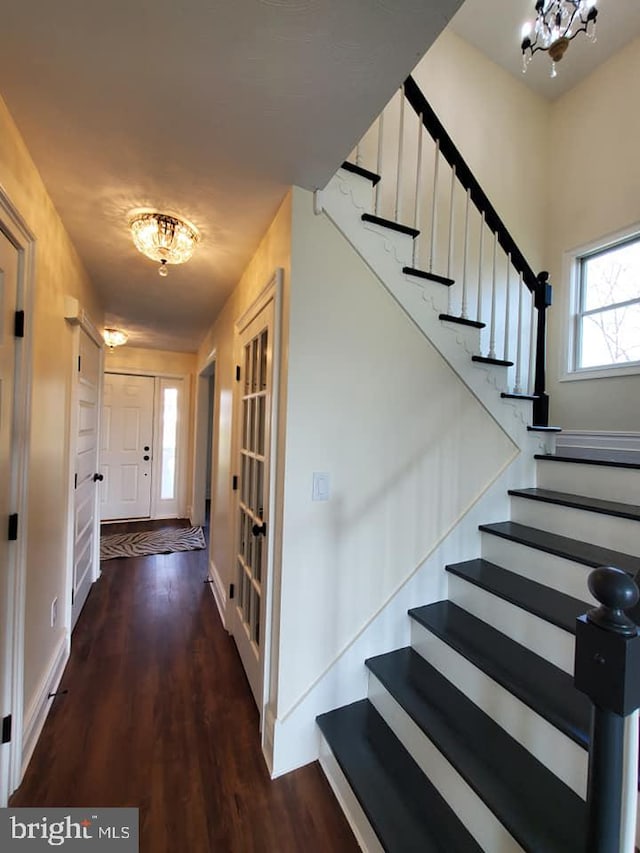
(146, 447)
(259, 529)
(98, 478)
(146, 458)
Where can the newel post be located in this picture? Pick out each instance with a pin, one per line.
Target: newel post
(542, 301)
(607, 669)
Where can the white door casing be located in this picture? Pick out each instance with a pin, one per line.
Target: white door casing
(8, 301)
(17, 293)
(127, 444)
(86, 530)
(253, 416)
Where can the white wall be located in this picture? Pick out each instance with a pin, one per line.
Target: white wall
(407, 447)
(593, 185)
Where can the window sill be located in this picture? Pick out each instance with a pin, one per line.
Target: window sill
(601, 372)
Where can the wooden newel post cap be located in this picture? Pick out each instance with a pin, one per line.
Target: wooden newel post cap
(607, 656)
(616, 591)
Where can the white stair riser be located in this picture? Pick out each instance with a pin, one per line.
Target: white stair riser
(349, 803)
(564, 575)
(540, 637)
(555, 750)
(394, 241)
(469, 334)
(594, 481)
(470, 809)
(620, 534)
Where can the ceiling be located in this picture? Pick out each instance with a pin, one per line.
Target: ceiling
(494, 27)
(208, 108)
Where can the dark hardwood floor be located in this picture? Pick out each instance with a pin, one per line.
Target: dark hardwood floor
(159, 716)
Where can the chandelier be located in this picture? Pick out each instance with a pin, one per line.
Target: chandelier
(163, 238)
(114, 338)
(557, 23)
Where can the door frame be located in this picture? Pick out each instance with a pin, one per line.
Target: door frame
(78, 319)
(272, 292)
(203, 407)
(184, 430)
(20, 235)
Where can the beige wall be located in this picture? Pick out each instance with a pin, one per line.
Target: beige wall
(59, 272)
(594, 181)
(273, 252)
(162, 363)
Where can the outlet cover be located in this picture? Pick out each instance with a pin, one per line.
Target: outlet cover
(54, 612)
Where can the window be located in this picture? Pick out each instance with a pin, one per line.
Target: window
(607, 330)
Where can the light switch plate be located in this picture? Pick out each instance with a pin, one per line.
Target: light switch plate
(320, 490)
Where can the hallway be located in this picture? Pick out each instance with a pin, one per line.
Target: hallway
(159, 716)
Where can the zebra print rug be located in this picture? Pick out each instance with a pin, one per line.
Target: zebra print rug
(166, 541)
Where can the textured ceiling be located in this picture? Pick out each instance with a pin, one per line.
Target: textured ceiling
(209, 108)
(494, 27)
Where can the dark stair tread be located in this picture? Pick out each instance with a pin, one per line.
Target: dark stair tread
(616, 508)
(431, 276)
(389, 223)
(358, 170)
(506, 396)
(463, 321)
(406, 812)
(596, 457)
(547, 689)
(534, 428)
(486, 360)
(539, 810)
(562, 546)
(549, 604)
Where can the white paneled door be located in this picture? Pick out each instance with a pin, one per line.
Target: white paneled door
(127, 443)
(253, 429)
(87, 477)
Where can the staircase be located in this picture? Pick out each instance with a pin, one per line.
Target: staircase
(474, 737)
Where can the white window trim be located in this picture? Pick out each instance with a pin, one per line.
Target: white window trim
(571, 274)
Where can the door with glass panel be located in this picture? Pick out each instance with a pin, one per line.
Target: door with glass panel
(253, 430)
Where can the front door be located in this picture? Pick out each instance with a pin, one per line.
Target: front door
(127, 442)
(8, 295)
(87, 478)
(253, 427)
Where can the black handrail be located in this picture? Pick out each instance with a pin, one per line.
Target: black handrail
(537, 284)
(452, 155)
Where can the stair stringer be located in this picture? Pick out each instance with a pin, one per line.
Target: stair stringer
(295, 736)
(344, 200)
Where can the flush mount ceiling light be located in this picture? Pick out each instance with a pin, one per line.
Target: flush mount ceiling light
(114, 338)
(163, 238)
(557, 23)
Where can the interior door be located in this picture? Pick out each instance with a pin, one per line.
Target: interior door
(8, 294)
(253, 427)
(87, 478)
(127, 442)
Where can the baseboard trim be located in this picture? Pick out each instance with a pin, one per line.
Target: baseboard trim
(218, 592)
(38, 710)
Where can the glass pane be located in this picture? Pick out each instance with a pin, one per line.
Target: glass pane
(261, 410)
(611, 277)
(240, 581)
(611, 337)
(263, 360)
(252, 425)
(247, 368)
(259, 501)
(246, 600)
(255, 617)
(254, 357)
(169, 434)
(245, 424)
(257, 559)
